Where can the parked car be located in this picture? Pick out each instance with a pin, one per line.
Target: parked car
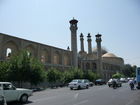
(91, 84)
(118, 83)
(11, 93)
(123, 80)
(78, 84)
(87, 82)
(100, 82)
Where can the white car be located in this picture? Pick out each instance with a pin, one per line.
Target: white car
(78, 84)
(11, 93)
(118, 83)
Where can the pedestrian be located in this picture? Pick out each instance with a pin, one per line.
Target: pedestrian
(131, 84)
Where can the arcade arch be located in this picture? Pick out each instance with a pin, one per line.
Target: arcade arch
(30, 50)
(10, 48)
(66, 60)
(57, 58)
(45, 56)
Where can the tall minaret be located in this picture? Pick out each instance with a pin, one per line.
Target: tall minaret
(89, 43)
(82, 42)
(73, 28)
(99, 54)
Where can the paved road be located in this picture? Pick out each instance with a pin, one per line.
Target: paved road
(96, 95)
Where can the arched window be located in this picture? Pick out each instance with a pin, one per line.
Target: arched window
(8, 53)
(45, 56)
(94, 66)
(31, 50)
(10, 48)
(87, 66)
(66, 60)
(28, 53)
(56, 58)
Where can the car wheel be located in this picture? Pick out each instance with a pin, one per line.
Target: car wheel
(71, 88)
(79, 87)
(24, 98)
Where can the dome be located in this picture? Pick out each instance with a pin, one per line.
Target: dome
(109, 55)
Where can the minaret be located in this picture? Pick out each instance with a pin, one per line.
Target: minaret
(68, 48)
(82, 42)
(73, 28)
(89, 43)
(99, 54)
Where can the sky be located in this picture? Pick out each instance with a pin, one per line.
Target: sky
(47, 22)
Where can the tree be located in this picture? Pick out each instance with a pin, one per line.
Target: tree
(90, 75)
(117, 75)
(66, 77)
(4, 70)
(26, 68)
(53, 76)
(77, 73)
(128, 70)
(37, 71)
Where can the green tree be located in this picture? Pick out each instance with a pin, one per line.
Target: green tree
(26, 68)
(90, 75)
(77, 73)
(117, 75)
(53, 75)
(128, 70)
(66, 77)
(4, 70)
(37, 71)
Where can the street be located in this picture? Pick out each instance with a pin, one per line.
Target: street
(96, 95)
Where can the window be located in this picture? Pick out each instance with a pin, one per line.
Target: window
(8, 52)
(8, 87)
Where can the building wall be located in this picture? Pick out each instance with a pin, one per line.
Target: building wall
(50, 56)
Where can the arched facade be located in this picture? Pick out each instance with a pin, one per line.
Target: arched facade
(48, 55)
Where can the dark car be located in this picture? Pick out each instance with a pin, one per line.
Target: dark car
(100, 82)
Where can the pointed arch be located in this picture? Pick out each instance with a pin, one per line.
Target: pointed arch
(45, 56)
(66, 59)
(57, 58)
(87, 66)
(31, 50)
(10, 48)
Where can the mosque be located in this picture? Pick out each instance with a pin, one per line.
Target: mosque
(98, 59)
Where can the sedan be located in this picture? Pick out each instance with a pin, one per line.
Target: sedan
(78, 84)
(100, 82)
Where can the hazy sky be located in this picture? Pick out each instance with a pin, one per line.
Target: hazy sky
(47, 22)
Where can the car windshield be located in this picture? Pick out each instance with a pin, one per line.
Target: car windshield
(110, 80)
(74, 80)
(99, 80)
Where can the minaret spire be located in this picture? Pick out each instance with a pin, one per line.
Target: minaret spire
(82, 42)
(73, 28)
(99, 54)
(89, 43)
